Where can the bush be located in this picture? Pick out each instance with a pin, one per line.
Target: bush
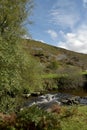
(31, 76)
(69, 112)
(9, 104)
(18, 71)
(34, 118)
(40, 119)
(50, 84)
(30, 118)
(53, 65)
(72, 79)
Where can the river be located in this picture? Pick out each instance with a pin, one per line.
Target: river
(62, 97)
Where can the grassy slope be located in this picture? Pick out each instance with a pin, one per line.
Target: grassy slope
(51, 53)
(77, 121)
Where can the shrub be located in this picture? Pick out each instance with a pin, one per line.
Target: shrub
(50, 84)
(9, 104)
(41, 120)
(56, 109)
(31, 76)
(37, 119)
(72, 79)
(69, 111)
(53, 65)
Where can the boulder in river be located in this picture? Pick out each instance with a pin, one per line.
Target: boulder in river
(71, 101)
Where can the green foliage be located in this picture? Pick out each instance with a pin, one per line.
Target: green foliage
(9, 67)
(77, 121)
(41, 120)
(12, 16)
(30, 118)
(72, 80)
(31, 76)
(68, 112)
(63, 118)
(49, 76)
(9, 104)
(50, 84)
(18, 71)
(53, 65)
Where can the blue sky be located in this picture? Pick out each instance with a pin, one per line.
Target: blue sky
(62, 23)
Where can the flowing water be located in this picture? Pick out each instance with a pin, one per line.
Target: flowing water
(62, 97)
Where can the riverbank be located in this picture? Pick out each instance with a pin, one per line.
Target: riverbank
(49, 111)
(60, 118)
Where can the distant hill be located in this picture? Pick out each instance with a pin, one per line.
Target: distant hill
(52, 57)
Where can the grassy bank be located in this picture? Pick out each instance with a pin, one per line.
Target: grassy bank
(70, 80)
(55, 75)
(77, 121)
(60, 118)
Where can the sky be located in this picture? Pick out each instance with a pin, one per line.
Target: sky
(62, 23)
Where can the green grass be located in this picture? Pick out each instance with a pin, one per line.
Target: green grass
(51, 76)
(77, 122)
(84, 73)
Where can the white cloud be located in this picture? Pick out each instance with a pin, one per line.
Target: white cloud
(84, 3)
(65, 13)
(76, 41)
(52, 33)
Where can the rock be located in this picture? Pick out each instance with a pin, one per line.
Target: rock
(83, 101)
(41, 101)
(66, 101)
(70, 101)
(42, 97)
(49, 97)
(26, 95)
(76, 102)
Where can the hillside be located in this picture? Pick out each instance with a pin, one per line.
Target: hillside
(51, 56)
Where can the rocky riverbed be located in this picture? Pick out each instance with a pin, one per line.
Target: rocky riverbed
(46, 101)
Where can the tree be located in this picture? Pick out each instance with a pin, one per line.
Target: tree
(12, 16)
(13, 59)
(71, 78)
